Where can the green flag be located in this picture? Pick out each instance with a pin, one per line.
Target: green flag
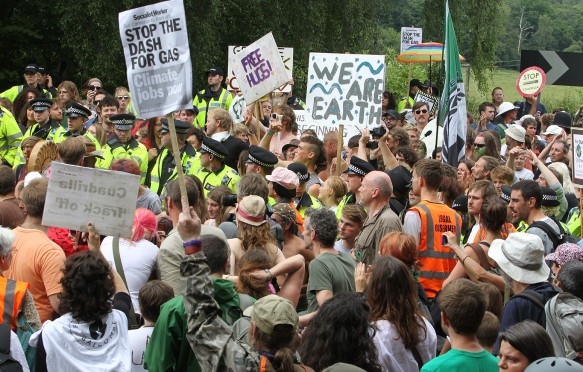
(452, 105)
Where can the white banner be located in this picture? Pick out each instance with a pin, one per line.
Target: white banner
(159, 70)
(77, 196)
(259, 68)
(287, 56)
(345, 89)
(410, 36)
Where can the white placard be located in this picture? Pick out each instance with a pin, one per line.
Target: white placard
(259, 68)
(159, 70)
(287, 56)
(77, 196)
(345, 89)
(304, 123)
(577, 149)
(410, 36)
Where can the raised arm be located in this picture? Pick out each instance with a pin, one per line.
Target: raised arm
(474, 270)
(290, 288)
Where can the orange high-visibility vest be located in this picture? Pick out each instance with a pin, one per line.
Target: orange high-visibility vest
(436, 260)
(11, 296)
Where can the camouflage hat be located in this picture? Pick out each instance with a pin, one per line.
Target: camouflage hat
(271, 311)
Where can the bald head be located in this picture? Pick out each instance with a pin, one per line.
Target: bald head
(382, 181)
(331, 136)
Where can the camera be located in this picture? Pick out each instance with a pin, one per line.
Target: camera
(276, 116)
(378, 132)
(372, 145)
(91, 87)
(229, 200)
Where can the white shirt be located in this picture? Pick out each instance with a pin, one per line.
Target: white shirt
(392, 353)
(473, 233)
(138, 260)
(524, 174)
(73, 345)
(429, 139)
(139, 339)
(17, 353)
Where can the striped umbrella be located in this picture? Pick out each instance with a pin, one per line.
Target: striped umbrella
(423, 53)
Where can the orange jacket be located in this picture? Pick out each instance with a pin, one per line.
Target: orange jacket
(437, 261)
(11, 296)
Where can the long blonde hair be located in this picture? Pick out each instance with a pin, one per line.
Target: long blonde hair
(564, 172)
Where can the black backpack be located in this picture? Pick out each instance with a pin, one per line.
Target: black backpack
(7, 364)
(556, 239)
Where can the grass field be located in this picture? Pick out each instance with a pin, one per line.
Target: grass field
(552, 96)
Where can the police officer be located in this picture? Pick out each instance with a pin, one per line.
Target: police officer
(77, 116)
(123, 146)
(213, 172)
(165, 168)
(31, 76)
(45, 81)
(44, 128)
(212, 97)
(356, 171)
(260, 161)
(303, 200)
(10, 137)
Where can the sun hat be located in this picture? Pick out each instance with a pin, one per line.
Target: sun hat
(522, 257)
(516, 132)
(251, 210)
(505, 107)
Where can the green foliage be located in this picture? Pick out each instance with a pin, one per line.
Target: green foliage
(76, 41)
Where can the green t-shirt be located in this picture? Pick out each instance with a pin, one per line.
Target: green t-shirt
(463, 361)
(332, 272)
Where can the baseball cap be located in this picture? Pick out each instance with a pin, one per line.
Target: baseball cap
(566, 252)
(553, 129)
(284, 177)
(271, 311)
(215, 70)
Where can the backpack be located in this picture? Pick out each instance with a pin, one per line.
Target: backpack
(564, 314)
(556, 239)
(7, 363)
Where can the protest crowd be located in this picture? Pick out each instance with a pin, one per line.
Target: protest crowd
(290, 257)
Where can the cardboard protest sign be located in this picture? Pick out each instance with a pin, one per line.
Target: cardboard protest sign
(410, 36)
(159, 70)
(427, 98)
(303, 121)
(77, 196)
(287, 57)
(259, 68)
(577, 149)
(345, 89)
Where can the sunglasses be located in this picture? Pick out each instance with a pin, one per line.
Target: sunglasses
(123, 97)
(479, 145)
(93, 87)
(418, 112)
